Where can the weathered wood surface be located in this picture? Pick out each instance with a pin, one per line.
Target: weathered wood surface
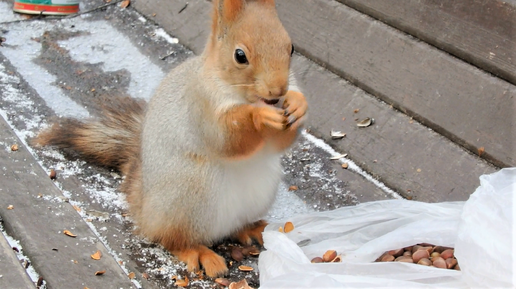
(12, 274)
(419, 163)
(482, 32)
(38, 219)
(187, 20)
(459, 101)
(394, 149)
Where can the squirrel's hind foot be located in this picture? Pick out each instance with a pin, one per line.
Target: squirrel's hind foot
(214, 265)
(251, 232)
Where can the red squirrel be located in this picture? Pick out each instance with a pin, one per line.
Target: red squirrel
(201, 160)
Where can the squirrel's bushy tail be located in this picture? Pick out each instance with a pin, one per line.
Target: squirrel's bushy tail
(112, 141)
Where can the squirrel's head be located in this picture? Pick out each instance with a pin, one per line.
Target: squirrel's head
(250, 49)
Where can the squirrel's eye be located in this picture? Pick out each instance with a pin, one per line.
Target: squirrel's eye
(240, 56)
(292, 52)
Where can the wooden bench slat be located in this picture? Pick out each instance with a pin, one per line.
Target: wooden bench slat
(418, 163)
(480, 32)
(38, 219)
(459, 101)
(12, 273)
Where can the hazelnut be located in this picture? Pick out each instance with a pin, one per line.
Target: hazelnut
(329, 255)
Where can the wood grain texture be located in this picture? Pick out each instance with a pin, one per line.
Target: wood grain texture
(416, 162)
(459, 101)
(38, 219)
(482, 32)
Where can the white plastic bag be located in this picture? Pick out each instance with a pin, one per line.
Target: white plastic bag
(362, 233)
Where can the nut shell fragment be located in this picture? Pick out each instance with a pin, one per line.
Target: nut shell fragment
(96, 256)
(97, 273)
(337, 134)
(242, 284)
(288, 227)
(69, 234)
(14, 147)
(222, 281)
(245, 268)
(337, 259)
(251, 250)
(366, 122)
(338, 157)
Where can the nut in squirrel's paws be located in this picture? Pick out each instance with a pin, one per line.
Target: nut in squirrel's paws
(269, 118)
(295, 106)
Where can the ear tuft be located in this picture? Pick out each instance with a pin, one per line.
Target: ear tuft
(225, 12)
(231, 9)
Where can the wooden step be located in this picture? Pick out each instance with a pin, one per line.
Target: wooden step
(467, 105)
(480, 32)
(38, 218)
(12, 274)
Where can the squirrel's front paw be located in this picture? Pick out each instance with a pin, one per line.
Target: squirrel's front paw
(295, 106)
(268, 119)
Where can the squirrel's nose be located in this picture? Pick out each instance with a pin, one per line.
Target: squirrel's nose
(277, 91)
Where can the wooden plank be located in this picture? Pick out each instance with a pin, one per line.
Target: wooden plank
(38, 219)
(481, 32)
(12, 274)
(187, 20)
(468, 106)
(416, 162)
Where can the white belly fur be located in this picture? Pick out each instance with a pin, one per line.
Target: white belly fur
(247, 190)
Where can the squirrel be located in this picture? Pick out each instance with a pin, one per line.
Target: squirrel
(201, 159)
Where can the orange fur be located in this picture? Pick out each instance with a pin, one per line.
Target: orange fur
(213, 264)
(243, 138)
(251, 232)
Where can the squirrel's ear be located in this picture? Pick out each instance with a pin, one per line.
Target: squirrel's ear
(224, 13)
(231, 9)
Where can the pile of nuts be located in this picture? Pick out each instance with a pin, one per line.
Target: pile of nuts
(329, 257)
(423, 254)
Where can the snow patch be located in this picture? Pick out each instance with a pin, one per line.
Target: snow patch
(105, 45)
(162, 33)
